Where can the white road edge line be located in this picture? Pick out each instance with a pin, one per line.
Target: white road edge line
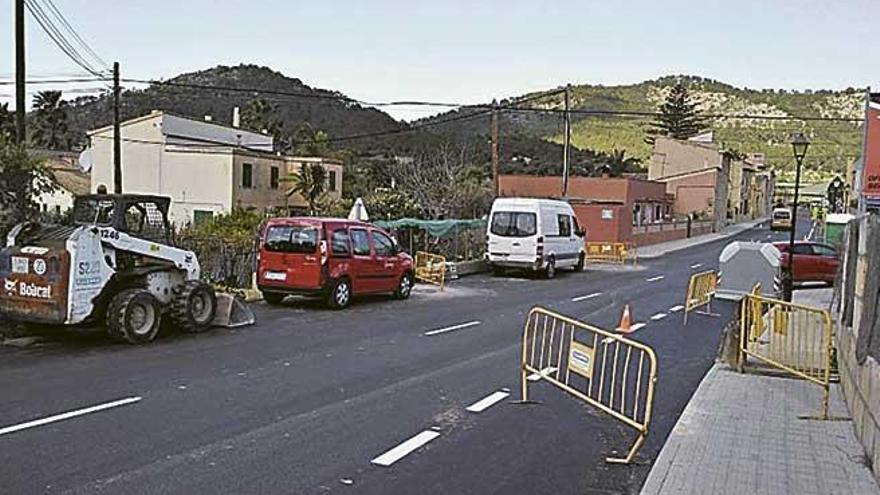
(676, 309)
(544, 372)
(658, 316)
(656, 279)
(696, 265)
(68, 415)
(488, 401)
(584, 298)
(452, 328)
(405, 448)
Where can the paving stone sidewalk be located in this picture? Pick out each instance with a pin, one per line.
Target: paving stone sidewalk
(743, 434)
(657, 250)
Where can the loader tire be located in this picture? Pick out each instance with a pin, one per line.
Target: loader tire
(193, 307)
(133, 316)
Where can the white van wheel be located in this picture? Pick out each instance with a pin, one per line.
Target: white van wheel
(550, 269)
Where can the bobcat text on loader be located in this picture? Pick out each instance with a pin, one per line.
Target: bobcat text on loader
(114, 263)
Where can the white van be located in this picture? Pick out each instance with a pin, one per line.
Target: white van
(535, 234)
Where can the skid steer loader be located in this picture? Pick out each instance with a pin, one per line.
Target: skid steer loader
(114, 263)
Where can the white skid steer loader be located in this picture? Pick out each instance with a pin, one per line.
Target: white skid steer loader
(115, 263)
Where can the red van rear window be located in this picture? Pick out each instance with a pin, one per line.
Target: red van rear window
(291, 239)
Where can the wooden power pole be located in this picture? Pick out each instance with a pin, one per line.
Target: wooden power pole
(494, 133)
(117, 138)
(20, 129)
(566, 143)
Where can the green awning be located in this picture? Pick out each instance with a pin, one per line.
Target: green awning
(436, 228)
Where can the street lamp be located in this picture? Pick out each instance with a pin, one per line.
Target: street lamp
(799, 145)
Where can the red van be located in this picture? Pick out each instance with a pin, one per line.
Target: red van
(331, 258)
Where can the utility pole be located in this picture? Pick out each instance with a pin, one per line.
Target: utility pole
(117, 139)
(494, 133)
(20, 130)
(566, 144)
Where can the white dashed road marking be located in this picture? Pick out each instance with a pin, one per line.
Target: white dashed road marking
(584, 298)
(68, 415)
(676, 309)
(637, 326)
(656, 279)
(488, 401)
(452, 328)
(405, 448)
(658, 316)
(537, 376)
(696, 265)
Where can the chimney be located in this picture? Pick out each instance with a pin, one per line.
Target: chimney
(208, 118)
(236, 117)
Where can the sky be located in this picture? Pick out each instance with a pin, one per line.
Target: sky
(469, 52)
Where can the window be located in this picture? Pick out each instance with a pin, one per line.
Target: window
(360, 242)
(382, 244)
(823, 250)
(514, 224)
(577, 226)
(273, 178)
(564, 222)
(247, 175)
(58, 209)
(657, 212)
(339, 243)
(202, 217)
(803, 249)
(292, 239)
(332, 178)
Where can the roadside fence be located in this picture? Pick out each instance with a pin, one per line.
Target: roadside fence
(790, 337)
(701, 288)
(611, 252)
(431, 268)
(614, 374)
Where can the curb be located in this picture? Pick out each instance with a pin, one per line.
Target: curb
(706, 238)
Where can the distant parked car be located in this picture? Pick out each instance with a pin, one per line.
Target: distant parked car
(813, 261)
(539, 235)
(331, 258)
(781, 219)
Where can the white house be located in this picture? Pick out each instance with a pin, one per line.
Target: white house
(69, 179)
(205, 167)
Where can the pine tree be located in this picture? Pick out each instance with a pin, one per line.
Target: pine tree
(679, 117)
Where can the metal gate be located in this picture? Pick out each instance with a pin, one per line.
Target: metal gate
(611, 373)
(790, 337)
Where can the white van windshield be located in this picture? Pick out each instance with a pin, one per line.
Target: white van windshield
(514, 224)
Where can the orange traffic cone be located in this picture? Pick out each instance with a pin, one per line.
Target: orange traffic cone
(625, 325)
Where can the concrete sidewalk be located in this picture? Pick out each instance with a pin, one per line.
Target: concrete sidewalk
(742, 433)
(658, 250)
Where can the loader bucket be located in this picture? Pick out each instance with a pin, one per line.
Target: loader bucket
(232, 312)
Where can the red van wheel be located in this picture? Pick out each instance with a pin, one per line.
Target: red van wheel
(340, 294)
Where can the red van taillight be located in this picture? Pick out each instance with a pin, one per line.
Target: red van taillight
(323, 248)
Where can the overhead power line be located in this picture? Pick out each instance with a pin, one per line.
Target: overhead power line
(59, 81)
(60, 40)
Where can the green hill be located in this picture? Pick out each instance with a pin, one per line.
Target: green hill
(835, 143)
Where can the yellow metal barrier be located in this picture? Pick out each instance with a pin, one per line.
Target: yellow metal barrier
(431, 268)
(787, 336)
(701, 289)
(610, 252)
(608, 371)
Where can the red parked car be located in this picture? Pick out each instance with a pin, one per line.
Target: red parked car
(813, 261)
(331, 258)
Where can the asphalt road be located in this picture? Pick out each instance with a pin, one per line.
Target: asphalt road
(303, 401)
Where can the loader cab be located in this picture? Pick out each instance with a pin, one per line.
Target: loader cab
(142, 216)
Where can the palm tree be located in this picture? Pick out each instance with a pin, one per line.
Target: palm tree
(310, 183)
(7, 121)
(261, 116)
(619, 163)
(50, 120)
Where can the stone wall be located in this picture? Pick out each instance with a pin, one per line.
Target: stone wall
(856, 336)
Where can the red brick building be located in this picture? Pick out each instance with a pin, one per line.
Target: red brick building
(612, 209)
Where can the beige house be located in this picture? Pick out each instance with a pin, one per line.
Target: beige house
(206, 168)
(696, 173)
(68, 178)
